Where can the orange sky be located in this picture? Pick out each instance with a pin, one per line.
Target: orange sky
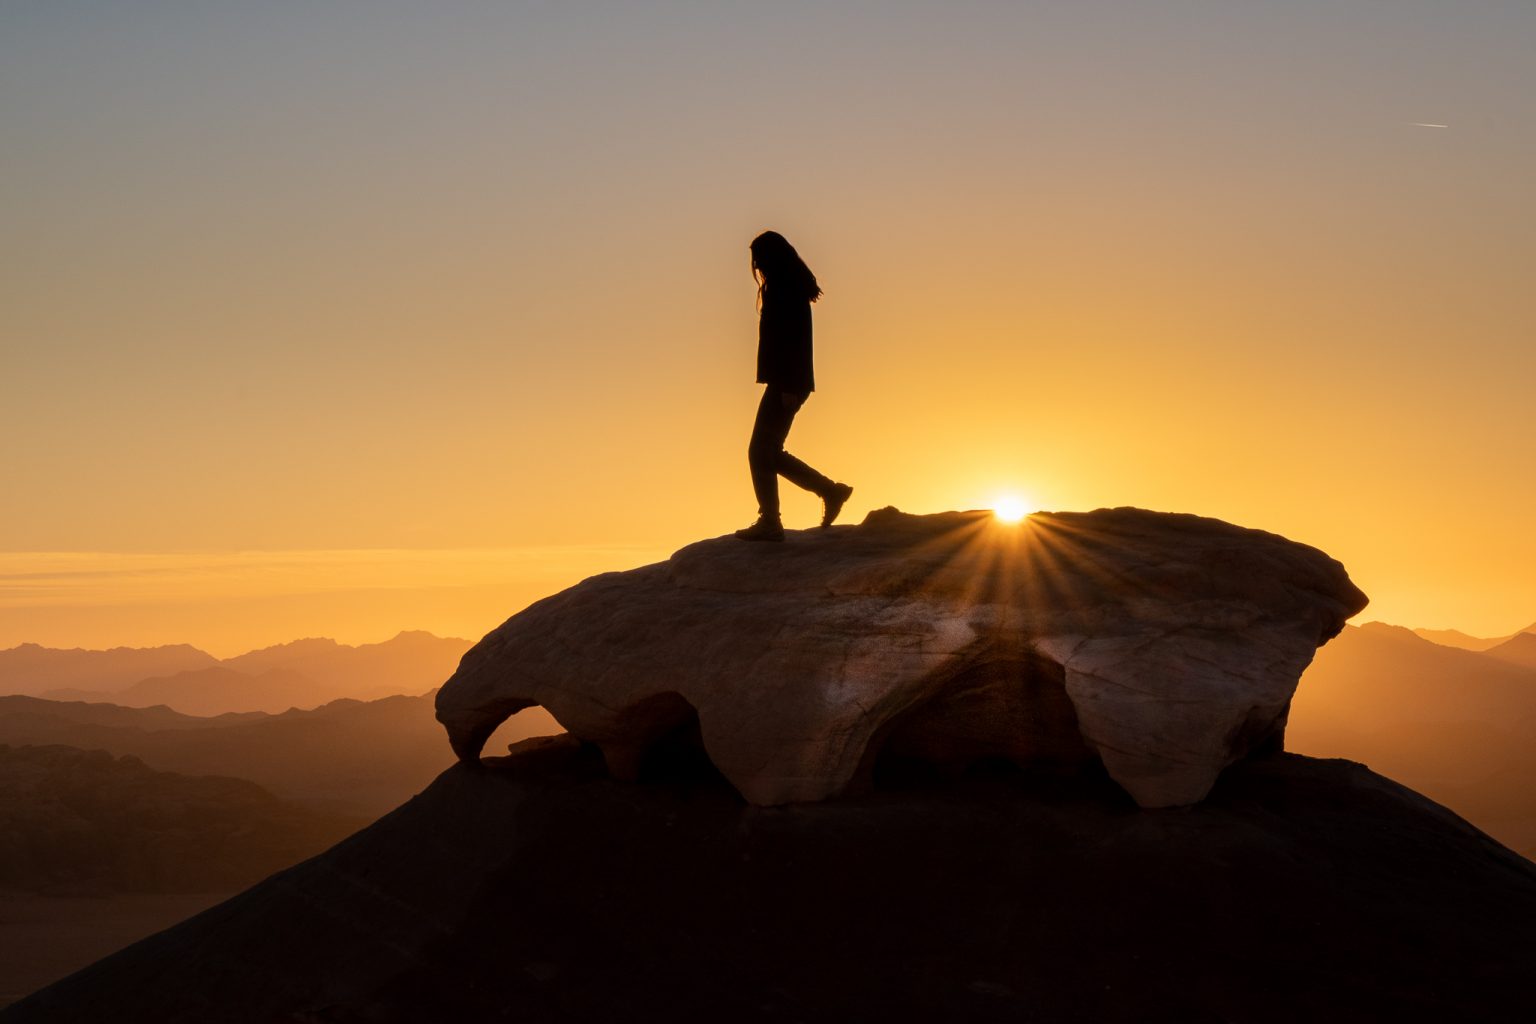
(373, 317)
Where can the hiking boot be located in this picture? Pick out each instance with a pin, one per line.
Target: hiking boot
(763, 529)
(832, 503)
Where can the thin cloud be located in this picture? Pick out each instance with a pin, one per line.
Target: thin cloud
(80, 578)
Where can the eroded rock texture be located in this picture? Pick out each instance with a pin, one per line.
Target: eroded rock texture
(1168, 646)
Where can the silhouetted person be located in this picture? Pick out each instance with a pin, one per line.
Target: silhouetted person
(785, 290)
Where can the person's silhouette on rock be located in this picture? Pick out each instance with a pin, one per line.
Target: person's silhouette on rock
(785, 290)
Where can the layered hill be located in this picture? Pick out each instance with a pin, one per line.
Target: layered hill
(354, 757)
(302, 674)
(83, 821)
(1456, 638)
(1517, 650)
(212, 691)
(33, 669)
(395, 666)
(538, 889)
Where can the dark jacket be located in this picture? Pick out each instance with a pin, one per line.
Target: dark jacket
(784, 343)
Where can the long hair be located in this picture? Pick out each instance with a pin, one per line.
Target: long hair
(774, 259)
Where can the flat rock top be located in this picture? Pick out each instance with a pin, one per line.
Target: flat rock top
(1127, 556)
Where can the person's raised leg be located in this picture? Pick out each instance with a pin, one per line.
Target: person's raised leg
(833, 495)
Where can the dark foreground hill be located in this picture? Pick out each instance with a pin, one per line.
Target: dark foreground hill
(538, 889)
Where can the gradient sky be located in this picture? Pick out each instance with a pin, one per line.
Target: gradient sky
(353, 283)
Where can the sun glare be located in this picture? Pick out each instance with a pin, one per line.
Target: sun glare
(1009, 508)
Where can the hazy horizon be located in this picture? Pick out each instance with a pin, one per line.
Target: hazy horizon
(227, 603)
(230, 602)
(443, 604)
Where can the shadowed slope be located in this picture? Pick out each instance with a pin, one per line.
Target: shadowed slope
(540, 890)
(1517, 650)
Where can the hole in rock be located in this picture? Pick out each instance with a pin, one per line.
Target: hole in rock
(1260, 733)
(678, 756)
(524, 724)
(659, 740)
(993, 718)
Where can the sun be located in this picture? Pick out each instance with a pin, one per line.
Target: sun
(1009, 508)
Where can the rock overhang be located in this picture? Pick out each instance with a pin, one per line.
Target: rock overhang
(1165, 645)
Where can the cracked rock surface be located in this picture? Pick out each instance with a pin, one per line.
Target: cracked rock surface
(1166, 646)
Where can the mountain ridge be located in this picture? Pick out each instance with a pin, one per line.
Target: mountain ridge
(1517, 650)
(1466, 641)
(357, 757)
(302, 673)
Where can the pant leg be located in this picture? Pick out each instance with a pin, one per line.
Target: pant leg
(803, 476)
(797, 472)
(768, 459)
(769, 430)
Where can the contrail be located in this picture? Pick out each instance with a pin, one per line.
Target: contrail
(1425, 124)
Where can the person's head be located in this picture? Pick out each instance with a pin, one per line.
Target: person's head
(774, 261)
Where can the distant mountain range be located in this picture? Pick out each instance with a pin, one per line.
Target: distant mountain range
(1458, 725)
(1456, 638)
(1450, 715)
(353, 757)
(34, 670)
(337, 728)
(302, 674)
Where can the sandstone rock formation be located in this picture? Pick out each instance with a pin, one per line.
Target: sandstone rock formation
(1167, 646)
